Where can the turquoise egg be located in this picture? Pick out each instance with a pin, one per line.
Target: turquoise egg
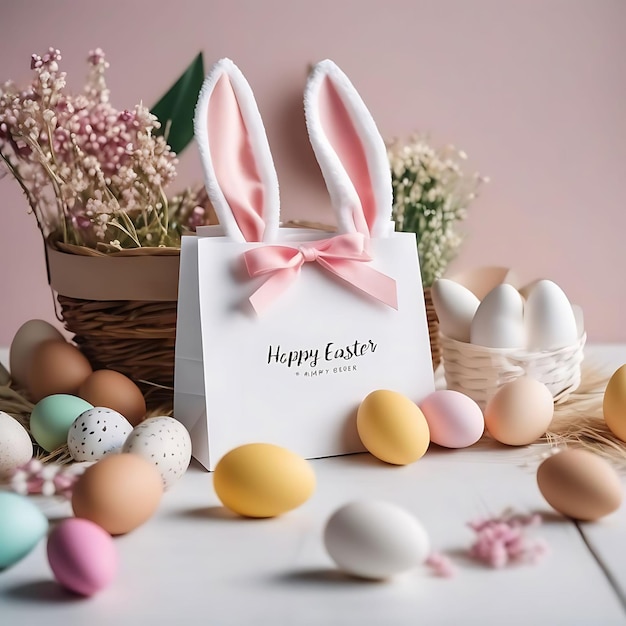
(52, 417)
(22, 526)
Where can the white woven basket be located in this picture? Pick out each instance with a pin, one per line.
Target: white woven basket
(479, 372)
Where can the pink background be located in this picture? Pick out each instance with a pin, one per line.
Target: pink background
(532, 90)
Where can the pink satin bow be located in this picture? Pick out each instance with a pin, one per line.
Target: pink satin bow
(342, 255)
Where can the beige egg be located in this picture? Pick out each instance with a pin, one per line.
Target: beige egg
(580, 484)
(520, 412)
(28, 337)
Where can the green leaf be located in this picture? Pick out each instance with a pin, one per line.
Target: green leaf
(175, 109)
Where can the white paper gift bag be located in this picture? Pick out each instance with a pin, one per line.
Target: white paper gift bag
(282, 332)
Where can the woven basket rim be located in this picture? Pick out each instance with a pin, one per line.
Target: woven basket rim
(518, 353)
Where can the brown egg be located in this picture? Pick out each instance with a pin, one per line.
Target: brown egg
(119, 493)
(110, 389)
(56, 367)
(26, 339)
(580, 484)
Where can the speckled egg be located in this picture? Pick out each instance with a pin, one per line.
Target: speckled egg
(166, 443)
(16, 448)
(96, 433)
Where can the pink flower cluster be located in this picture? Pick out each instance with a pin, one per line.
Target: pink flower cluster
(91, 173)
(503, 540)
(36, 478)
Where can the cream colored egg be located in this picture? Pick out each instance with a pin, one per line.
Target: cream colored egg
(392, 427)
(263, 480)
(520, 412)
(579, 484)
(16, 447)
(614, 403)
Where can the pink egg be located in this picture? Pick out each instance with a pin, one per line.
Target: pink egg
(454, 419)
(82, 556)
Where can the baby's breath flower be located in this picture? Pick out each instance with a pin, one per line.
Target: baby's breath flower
(430, 196)
(91, 174)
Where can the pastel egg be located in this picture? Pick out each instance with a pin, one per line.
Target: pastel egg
(111, 389)
(56, 367)
(22, 526)
(499, 320)
(454, 419)
(165, 442)
(119, 493)
(26, 339)
(392, 427)
(580, 484)
(97, 432)
(263, 480)
(375, 540)
(16, 448)
(52, 417)
(455, 306)
(520, 412)
(614, 403)
(82, 556)
(549, 317)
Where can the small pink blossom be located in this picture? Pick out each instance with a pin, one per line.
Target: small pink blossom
(50, 479)
(502, 541)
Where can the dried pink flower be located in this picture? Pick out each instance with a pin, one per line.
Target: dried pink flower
(92, 174)
(501, 541)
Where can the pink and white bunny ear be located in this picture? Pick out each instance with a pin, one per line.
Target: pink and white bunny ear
(239, 171)
(350, 151)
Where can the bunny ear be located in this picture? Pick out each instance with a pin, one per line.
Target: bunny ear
(239, 171)
(350, 151)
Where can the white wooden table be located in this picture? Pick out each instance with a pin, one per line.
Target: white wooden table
(194, 563)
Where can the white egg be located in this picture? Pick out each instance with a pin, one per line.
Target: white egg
(376, 540)
(499, 320)
(550, 319)
(580, 319)
(455, 306)
(165, 442)
(16, 447)
(97, 432)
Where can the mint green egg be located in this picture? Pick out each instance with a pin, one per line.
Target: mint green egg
(22, 526)
(52, 417)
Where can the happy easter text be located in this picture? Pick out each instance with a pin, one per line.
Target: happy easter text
(315, 357)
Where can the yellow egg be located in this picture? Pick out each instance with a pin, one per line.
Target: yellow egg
(392, 427)
(263, 480)
(614, 405)
(580, 484)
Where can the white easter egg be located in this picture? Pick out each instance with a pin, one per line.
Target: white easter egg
(499, 319)
(97, 432)
(580, 319)
(165, 442)
(550, 319)
(376, 540)
(455, 306)
(16, 447)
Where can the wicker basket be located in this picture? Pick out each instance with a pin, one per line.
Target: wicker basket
(121, 309)
(479, 372)
(433, 328)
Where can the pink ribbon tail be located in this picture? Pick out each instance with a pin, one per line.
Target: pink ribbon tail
(343, 255)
